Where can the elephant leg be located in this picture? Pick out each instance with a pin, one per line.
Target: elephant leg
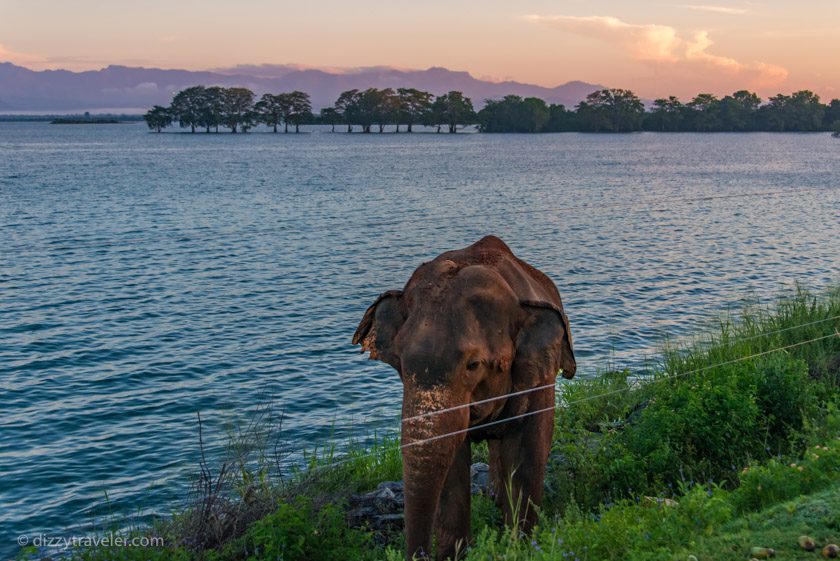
(497, 477)
(521, 458)
(452, 523)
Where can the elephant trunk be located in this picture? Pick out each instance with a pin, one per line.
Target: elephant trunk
(426, 462)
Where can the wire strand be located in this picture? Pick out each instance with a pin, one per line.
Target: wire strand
(573, 402)
(546, 386)
(588, 398)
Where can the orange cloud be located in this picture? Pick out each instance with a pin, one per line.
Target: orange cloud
(662, 45)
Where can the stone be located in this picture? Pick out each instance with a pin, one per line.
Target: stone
(380, 509)
(480, 479)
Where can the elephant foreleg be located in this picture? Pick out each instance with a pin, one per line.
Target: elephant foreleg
(517, 469)
(452, 523)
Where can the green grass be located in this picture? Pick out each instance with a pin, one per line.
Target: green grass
(693, 460)
(707, 520)
(816, 516)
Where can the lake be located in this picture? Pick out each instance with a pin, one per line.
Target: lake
(145, 278)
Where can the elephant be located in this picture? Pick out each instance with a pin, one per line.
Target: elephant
(468, 329)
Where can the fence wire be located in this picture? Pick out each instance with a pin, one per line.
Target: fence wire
(659, 378)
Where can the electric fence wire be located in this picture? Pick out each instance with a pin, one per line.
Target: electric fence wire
(659, 378)
(377, 414)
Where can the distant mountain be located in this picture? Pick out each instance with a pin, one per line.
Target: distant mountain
(125, 88)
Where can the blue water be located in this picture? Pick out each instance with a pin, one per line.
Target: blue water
(144, 277)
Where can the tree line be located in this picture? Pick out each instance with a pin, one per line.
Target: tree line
(606, 110)
(617, 110)
(233, 108)
(200, 107)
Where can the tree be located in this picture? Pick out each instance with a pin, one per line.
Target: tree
(211, 114)
(330, 116)
(188, 107)
(158, 118)
(666, 115)
(831, 117)
(270, 110)
(806, 111)
(534, 114)
(499, 115)
(737, 112)
(365, 108)
(800, 111)
(385, 107)
(346, 107)
(774, 115)
(561, 119)
(413, 106)
(453, 109)
(237, 108)
(514, 114)
(704, 112)
(298, 109)
(611, 110)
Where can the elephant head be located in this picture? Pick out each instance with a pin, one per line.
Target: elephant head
(461, 332)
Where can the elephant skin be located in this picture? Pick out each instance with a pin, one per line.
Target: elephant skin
(471, 325)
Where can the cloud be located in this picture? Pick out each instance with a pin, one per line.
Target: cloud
(682, 54)
(716, 9)
(645, 42)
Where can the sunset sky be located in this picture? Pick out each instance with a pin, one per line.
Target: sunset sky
(654, 47)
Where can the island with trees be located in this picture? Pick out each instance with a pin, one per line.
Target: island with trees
(607, 110)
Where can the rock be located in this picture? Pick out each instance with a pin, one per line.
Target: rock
(763, 552)
(806, 543)
(380, 509)
(480, 479)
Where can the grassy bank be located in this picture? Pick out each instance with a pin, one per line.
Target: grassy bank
(732, 442)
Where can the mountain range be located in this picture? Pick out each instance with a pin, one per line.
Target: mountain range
(134, 89)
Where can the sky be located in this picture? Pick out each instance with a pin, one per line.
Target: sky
(653, 47)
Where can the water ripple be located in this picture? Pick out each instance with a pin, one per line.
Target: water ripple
(146, 277)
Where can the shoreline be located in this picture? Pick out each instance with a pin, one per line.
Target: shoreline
(606, 466)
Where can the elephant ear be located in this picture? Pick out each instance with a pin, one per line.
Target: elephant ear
(543, 345)
(380, 325)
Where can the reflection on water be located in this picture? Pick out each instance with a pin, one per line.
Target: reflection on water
(146, 277)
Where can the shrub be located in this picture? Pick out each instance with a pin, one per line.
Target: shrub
(299, 532)
(776, 481)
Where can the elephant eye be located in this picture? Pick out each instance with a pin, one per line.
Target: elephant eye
(473, 365)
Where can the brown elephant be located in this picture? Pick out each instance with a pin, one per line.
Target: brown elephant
(470, 326)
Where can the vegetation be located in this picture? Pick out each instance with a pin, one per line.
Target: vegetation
(607, 110)
(78, 117)
(234, 108)
(732, 442)
(158, 118)
(85, 119)
(621, 111)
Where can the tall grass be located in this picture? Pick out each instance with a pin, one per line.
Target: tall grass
(719, 419)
